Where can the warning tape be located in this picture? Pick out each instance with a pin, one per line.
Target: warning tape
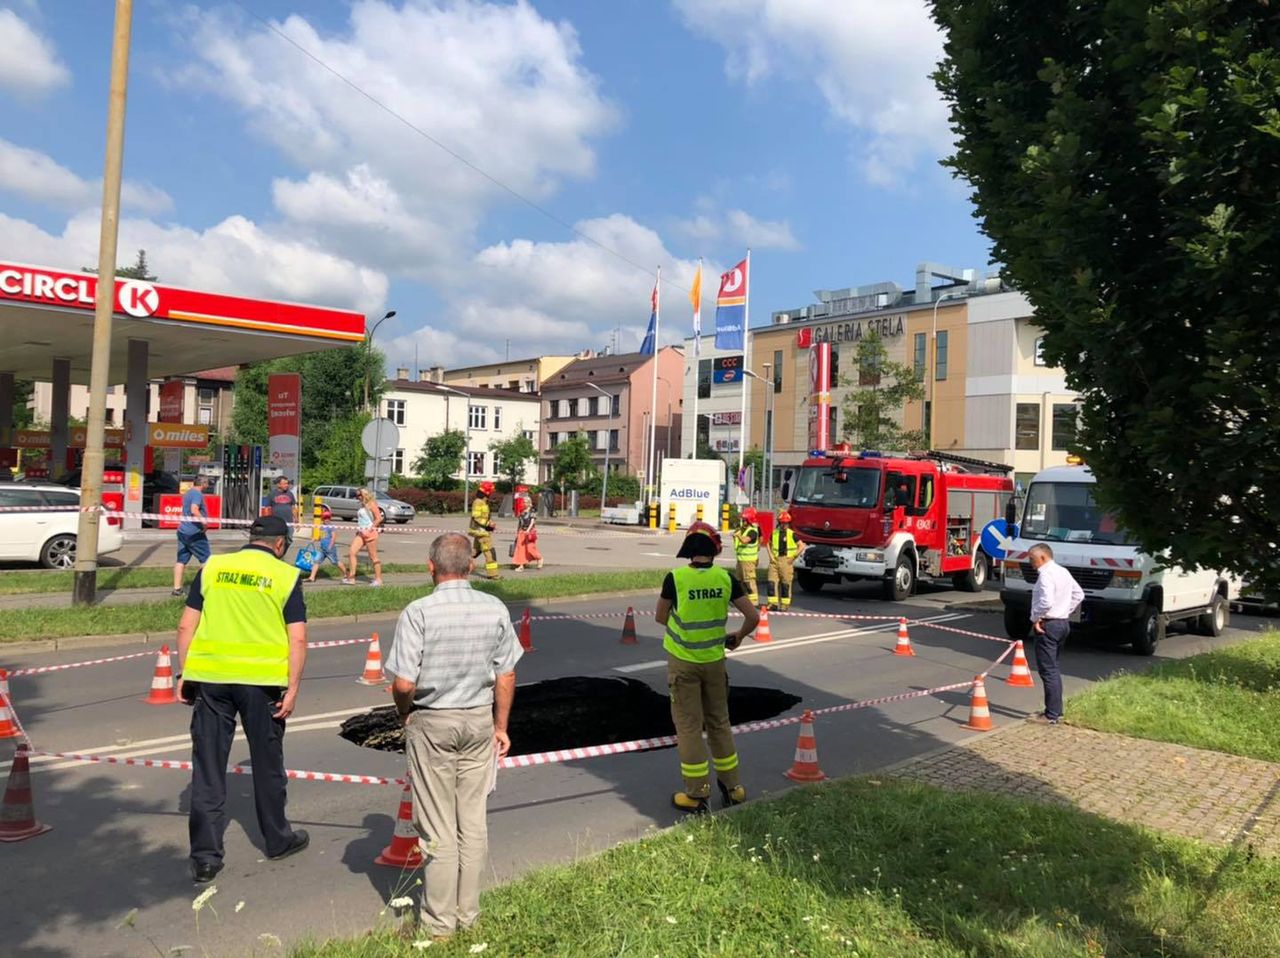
(948, 628)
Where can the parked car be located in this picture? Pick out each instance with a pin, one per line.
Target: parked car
(342, 501)
(48, 537)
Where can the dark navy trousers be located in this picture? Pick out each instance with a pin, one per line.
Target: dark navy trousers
(1048, 645)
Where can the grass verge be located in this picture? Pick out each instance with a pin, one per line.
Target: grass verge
(31, 581)
(1223, 700)
(895, 869)
(19, 625)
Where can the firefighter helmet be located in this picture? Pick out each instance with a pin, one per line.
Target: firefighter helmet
(692, 546)
(749, 514)
(784, 516)
(487, 488)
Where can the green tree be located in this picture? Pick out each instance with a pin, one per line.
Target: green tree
(140, 269)
(441, 459)
(1125, 162)
(23, 414)
(881, 387)
(341, 457)
(512, 455)
(573, 468)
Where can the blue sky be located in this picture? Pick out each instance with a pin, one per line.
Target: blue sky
(663, 129)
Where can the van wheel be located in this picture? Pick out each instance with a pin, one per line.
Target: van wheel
(1147, 631)
(810, 582)
(59, 552)
(903, 582)
(1215, 621)
(975, 580)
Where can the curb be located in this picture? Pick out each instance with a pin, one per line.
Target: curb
(991, 606)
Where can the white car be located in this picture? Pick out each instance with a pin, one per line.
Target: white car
(39, 522)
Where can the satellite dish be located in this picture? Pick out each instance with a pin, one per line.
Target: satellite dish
(380, 438)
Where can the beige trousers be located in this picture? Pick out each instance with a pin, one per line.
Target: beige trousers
(450, 754)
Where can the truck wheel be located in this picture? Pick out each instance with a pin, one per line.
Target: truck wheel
(1017, 625)
(1147, 631)
(975, 580)
(810, 582)
(903, 582)
(1215, 621)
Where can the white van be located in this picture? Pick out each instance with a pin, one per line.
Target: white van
(1126, 591)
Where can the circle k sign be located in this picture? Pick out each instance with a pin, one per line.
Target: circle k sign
(138, 298)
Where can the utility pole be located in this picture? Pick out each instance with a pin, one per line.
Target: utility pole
(85, 587)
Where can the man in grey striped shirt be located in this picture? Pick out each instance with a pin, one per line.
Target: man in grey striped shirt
(454, 659)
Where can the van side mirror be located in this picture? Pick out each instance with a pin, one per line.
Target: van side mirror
(1010, 514)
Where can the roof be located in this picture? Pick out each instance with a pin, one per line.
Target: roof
(1065, 474)
(225, 374)
(410, 386)
(599, 369)
(532, 360)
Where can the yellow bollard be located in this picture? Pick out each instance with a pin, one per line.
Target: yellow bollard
(653, 515)
(724, 517)
(671, 517)
(699, 512)
(316, 512)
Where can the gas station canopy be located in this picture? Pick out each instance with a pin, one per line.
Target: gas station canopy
(47, 314)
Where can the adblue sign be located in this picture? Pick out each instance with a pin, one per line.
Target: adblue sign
(688, 482)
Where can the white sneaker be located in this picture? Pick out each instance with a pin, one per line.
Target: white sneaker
(376, 585)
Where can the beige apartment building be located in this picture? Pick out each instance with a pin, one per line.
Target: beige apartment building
(517, 375)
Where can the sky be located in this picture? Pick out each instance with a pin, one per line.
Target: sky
(506, 176)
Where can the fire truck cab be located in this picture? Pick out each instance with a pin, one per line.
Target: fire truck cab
(896, 519)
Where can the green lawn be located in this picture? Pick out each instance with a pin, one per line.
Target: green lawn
(871, 868)
(1223, 700)
(18, 625)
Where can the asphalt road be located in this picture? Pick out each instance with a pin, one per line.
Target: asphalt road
(112, 878)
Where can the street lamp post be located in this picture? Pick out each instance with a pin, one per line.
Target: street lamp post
(768, 439)
(654, 426)
(368, 352)
(933, 366)
(608, 436)
(466, 464)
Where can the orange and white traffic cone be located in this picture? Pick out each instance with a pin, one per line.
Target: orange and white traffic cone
(162, 691)
(8, 727)
(1020, 674)
(18, 814)
(904, 641)
(526, 631)
(403, 852)
(979, 711)
(372, 674)
(762, 632)
(629, 628)
(805, 767)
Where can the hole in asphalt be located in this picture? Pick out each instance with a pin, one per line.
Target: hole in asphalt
(576, 711)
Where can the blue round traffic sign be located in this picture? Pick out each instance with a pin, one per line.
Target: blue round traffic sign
(997, 537)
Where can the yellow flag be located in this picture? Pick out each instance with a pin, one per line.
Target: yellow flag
(695, 294)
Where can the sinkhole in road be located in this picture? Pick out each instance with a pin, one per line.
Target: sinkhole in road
(577, 711)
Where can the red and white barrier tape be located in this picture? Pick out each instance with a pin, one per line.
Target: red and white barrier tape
(948, 628)
(184, 766)
(42, 669)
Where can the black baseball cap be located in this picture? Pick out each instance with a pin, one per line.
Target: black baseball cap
(268, 527)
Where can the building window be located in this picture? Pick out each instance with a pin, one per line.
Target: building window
(1064, 425)
(835, 366)
(528, 386)
(613, 440)
(869, 372)
(777, 370)
(1026, 430)
(1039, 351)
(395, 411)
(584, 406)
(553, 440)
(477, 416)
(704, 379)
(926, 426)
(564, 409)
(940, 359)
(600, 439)
(397, 462)
(206, 395)
(920, 356)
(532, 437)
(615, 406)
(497, 417)
(204, 415)
(475, 464)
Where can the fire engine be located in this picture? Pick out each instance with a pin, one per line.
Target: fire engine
(897, 519)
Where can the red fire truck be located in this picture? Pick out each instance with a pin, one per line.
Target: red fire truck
(896, 519)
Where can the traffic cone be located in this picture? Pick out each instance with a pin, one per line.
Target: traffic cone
(1020, 674)
(629, 628)
(372, 674)
(805, 767)
(403, 852)
(904, 641)
(979, 713)
(762, 633)
(8, 727)
(162, 688)
(18, 813)
(526, 631)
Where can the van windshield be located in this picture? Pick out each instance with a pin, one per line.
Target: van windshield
(817, 486)
(1066, 512)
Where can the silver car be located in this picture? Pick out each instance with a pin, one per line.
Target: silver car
(342, 501)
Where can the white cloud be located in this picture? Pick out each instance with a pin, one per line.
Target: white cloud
(870, 59)
(39, 177)
(234, 256)
(29, 65)
(740, 228)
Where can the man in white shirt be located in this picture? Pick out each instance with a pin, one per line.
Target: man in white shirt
(1054, 599)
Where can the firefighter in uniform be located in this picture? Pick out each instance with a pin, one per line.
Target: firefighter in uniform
(746, 548)
(694, 606)
(783, 549)
(480, 529)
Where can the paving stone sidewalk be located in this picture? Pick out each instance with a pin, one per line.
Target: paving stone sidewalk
(1210, 796)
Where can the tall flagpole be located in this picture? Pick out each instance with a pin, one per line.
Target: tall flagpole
(746, 364)
(651, 474)
(697, 357)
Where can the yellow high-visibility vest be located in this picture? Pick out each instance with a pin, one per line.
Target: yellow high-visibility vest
(695, 628)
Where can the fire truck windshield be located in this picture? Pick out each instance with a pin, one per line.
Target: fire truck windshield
(817, 486)
(1066, 512)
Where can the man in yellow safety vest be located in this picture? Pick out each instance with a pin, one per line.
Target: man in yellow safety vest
(783, 549)
(242, 646)
(746, 549)
(481, 528)
(694, 607)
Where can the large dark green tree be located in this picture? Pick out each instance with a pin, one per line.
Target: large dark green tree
(441, 459)
(879, 388)
(1125, 162)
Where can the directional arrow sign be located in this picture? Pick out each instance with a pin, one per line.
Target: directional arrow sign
(997, 539)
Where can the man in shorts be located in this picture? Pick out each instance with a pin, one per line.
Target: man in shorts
(192, 538)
